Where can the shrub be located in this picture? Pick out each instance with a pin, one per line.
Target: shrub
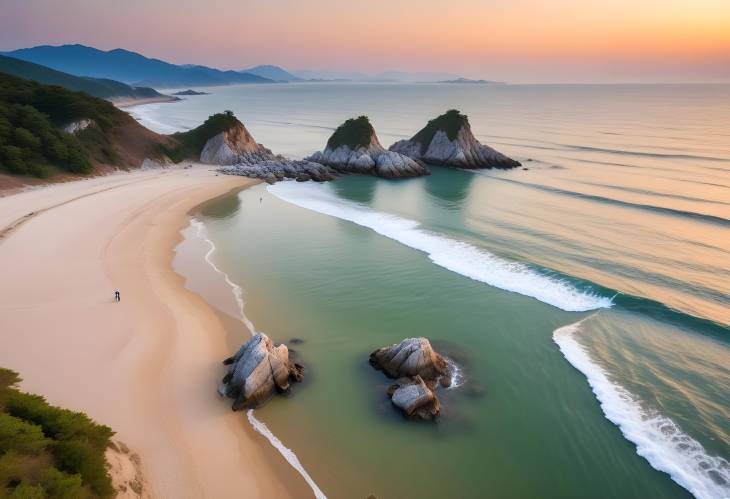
(46, 451)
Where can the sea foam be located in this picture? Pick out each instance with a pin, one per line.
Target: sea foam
(658, 439)
(257, 424)
(454, 255)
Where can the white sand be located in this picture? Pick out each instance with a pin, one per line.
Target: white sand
(148, 366)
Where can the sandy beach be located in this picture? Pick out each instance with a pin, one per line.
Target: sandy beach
(148, 366)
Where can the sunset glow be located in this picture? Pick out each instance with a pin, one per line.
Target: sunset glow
(522, 40)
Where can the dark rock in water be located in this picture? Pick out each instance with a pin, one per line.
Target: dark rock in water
(448, 141)
(415, 398)
(257, 371)
(296, 341)
(190, 92)
(354, 148)
(418, 369)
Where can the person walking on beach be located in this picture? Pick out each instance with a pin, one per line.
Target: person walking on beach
(117, 296)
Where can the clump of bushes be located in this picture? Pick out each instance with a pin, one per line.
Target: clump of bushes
(353, 133)
(49, 452)
(191, 143)
(31, 141)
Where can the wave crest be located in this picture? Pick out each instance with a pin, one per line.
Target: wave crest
(451, 254)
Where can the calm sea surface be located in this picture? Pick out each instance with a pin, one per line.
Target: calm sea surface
(585, 297)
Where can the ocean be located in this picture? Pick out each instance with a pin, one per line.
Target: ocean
(585, 297)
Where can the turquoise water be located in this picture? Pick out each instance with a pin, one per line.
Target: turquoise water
(585, 299)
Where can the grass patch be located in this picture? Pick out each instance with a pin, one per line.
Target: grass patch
(49, 452)
(353, 133)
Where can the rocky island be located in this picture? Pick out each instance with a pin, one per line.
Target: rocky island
(354, 148)
(190, 92)
(448, 141)
(418, 370)
(257, 371)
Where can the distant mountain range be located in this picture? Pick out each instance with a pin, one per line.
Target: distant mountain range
(137, 70)
(129, 67)
(385, 76)
(271, 72)
(97, 87)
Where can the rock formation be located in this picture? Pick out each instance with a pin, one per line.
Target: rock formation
(240, 154)
(257, 371)
(234, 146)
(76, 126)
(354, 148)
(448, 141)
(419, 370)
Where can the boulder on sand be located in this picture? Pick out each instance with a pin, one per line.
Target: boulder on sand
(257, 371)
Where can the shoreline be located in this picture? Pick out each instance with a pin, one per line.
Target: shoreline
(124, 103)
(147, 366)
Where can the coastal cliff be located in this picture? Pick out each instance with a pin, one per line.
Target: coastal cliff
(354, 148)
(232, 146)
(448, 141)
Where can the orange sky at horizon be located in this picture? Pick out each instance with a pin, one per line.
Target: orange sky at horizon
(520, 40)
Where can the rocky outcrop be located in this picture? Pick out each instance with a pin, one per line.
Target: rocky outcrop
(240, 154)
(448, 141)
(234, 146)
(354, 148)
(76, 126)
(280, 168)
(257, 371)
(419, 370)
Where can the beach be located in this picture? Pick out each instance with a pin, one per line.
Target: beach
(148, 366)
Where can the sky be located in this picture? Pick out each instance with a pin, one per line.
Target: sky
(527, 41)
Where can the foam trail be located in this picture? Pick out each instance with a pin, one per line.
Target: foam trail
(658, 439)
(286, 452)
(454, 255)
(258, 425)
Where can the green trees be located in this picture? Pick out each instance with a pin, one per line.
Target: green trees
(49, 452)
(31, 141)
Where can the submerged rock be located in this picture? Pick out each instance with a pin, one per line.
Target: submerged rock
(257, 371)
(448, 141)
(354, 148)
(419, 370)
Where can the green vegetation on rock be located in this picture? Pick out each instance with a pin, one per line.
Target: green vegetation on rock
(353, 133)
(47, 452)
(31, 139)
(450, 122)
(191, 143)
